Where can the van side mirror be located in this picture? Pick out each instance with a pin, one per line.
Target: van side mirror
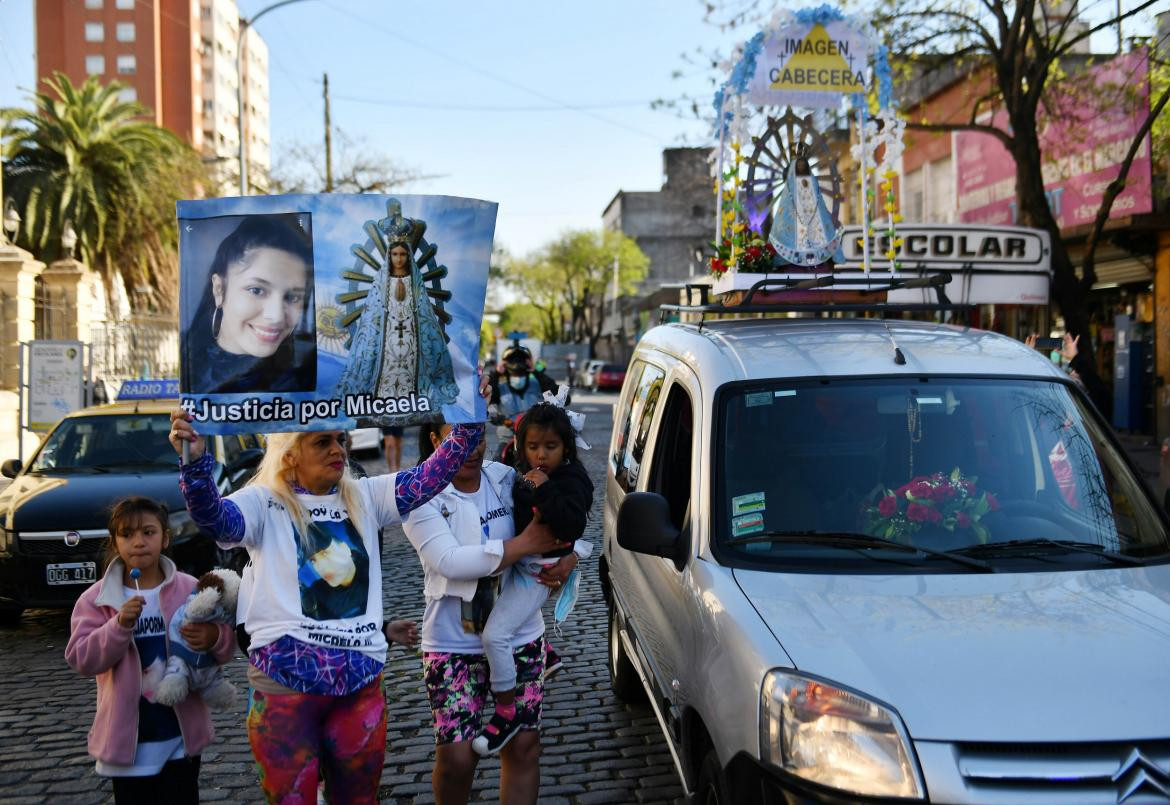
(10, 468)
(644, 526)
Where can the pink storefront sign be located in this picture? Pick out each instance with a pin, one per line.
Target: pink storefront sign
(1083, 147)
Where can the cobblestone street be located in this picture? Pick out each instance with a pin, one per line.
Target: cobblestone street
(596, 750)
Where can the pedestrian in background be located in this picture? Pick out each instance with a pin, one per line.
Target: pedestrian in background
(314, 599)
(119, 635)
(392, 446)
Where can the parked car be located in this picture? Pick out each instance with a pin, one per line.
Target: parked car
(365, 441)
(609, 377)
(53, 515)
(858, 560)
(584, 379)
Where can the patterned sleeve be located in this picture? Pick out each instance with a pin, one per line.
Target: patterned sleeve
(416, 486)
(214, 515)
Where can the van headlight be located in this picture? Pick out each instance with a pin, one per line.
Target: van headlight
(835, 737)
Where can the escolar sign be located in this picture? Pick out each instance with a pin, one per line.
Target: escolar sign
(810, 65)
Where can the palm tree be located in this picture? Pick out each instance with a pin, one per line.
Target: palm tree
(85, 155)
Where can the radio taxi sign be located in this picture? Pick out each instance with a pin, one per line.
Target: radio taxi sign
(811, 65)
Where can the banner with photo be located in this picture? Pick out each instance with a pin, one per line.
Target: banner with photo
(331, 311)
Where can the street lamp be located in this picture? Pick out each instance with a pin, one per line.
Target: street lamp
(11, 220)
(68, 238)
(245, 23)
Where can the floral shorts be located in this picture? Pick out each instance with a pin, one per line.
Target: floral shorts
(458, 689)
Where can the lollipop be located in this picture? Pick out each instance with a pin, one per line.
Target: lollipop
(134, 574)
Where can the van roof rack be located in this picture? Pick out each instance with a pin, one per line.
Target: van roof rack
(860, 284)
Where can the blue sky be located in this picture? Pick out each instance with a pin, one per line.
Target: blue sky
(480, 93)
(475, 92)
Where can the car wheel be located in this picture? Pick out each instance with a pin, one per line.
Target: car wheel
(622, 676)
(10, 616)
(712, 788)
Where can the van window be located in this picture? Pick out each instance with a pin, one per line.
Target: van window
(973, 465)
(635, 429)
(670, 471)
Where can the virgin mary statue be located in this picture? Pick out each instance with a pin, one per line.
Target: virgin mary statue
(397, 347)
(804, 232)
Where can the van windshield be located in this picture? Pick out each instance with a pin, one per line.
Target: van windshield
(1016, 473)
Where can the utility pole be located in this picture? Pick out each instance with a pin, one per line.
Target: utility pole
(615, 285)
(328, 142)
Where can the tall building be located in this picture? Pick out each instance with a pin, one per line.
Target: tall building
(177, 58)
(219, 34)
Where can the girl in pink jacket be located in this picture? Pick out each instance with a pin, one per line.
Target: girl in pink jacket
(119, 635)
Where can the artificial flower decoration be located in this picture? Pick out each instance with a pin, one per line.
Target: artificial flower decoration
(952, 502)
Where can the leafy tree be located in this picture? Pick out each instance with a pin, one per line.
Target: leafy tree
(84, 155)
(533, 279)
(570, 281)
(523, 317)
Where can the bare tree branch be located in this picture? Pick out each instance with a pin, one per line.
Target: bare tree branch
(1114, 189)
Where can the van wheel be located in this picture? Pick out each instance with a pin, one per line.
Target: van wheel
(712, 789)
(622, 676)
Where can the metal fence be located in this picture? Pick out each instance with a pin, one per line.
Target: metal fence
(53, 315)
(144, 346)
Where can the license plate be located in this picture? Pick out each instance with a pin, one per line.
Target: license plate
(71, 573)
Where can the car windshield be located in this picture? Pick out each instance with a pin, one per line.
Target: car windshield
(1015, 473)
(105, 442)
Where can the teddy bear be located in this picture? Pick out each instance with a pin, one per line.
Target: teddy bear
(212, 601)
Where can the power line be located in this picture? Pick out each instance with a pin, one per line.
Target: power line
(398, 36)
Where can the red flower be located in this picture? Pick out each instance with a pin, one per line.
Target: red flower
(920, 489)
(770, 249)
(918, 513)
(963, 520)
(754, 253)
(887, 506)
(717, 265)
(992, 503)
(934, 515)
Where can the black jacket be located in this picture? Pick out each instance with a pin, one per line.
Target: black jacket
(563, 501)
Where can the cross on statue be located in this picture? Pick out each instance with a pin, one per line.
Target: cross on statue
(401, 328)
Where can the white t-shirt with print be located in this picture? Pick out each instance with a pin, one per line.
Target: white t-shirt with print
(328, 592)
(442, 629)
(159, 738)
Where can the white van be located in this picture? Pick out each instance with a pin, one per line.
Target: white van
(852, 560)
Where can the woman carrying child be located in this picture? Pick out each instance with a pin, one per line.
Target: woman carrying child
(550, 485)
(118, 634)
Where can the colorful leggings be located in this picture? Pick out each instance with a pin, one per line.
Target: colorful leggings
(295, 735)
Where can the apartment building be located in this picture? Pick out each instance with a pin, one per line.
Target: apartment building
(178, 59)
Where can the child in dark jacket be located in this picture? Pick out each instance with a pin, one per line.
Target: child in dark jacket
(550, 484)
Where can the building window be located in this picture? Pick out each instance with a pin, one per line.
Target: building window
(125, 32)
(128, 95)
(94, 32)
(124, 5)
(95, 65)
(913, 192)
(127, 65)
(93, 4)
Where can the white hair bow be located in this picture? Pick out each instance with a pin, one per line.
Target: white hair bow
(575, 419)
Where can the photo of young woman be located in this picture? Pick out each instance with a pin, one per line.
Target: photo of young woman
(253, 330)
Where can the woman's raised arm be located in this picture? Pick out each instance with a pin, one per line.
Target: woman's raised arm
(417, 485)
